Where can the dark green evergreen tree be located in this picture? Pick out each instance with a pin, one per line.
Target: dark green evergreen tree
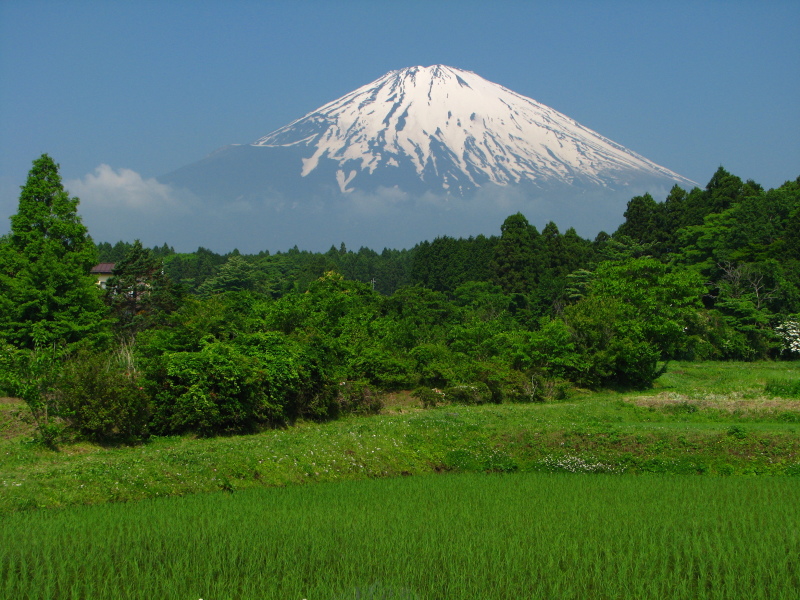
(792, 239)
(641, 219)
(139, 293)
(673, 219)
(514, 263)
(722, 191)
(49, 297)
(236, 275)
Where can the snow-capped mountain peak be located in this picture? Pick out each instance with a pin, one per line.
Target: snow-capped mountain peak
(457, 131)
(418, 153)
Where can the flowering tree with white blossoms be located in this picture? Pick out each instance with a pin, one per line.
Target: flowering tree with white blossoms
(789, 331)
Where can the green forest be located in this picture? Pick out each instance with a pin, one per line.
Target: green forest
(216, 344)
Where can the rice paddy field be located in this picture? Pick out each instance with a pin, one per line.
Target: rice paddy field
(687, 491)
(457, 536)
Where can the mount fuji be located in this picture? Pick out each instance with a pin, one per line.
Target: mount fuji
(419, 152)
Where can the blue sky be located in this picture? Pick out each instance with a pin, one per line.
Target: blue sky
(152, 86)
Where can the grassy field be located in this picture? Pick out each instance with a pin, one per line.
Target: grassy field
(671, 510)
(456, 537)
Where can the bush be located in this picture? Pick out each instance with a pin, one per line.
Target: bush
(435, 363)
(215, 390)
(102, 398)
(289, 378)
(537, 387)
(358, 398)
(33, 375)
(474, 393)
(259, 378)
(430, 397)
(381, 369)
(612, 346)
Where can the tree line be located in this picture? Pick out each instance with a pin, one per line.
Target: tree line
(211, 343)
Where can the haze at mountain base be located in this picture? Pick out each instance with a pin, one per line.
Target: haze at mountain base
(386, 217)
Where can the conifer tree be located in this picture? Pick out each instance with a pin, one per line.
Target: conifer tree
(49, 295)
(515, 264)
(139, 293)
(236, 275)
(641, 219)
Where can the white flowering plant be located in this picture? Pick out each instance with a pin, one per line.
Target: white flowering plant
(789, 332)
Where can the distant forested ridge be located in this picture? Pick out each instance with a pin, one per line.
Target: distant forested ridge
(732, 232)
(216, 343)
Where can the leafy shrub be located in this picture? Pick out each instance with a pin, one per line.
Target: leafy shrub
(611, 344)
(435, 363)
(737, 432)
(284, 370)
(233, 386)
(430, 397)
(102, 398)
(734, 345)
(314, 363)
(32, 375)
(473, 393)
(359, 398)
(537, 387)
(215, 390)
(381, 369)
(737, 331)
(552, 349)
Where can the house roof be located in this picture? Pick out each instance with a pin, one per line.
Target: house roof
(103, 268)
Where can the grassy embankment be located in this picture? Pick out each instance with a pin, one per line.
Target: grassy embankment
(713, 418)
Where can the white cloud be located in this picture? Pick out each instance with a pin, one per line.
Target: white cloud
(120, 204)
(108, 188)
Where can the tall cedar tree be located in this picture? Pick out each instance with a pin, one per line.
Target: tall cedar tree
(515, 263)
(48, 295)
(139, 293)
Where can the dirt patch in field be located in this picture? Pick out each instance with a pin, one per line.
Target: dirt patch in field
(732, 403)
(12, 423)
